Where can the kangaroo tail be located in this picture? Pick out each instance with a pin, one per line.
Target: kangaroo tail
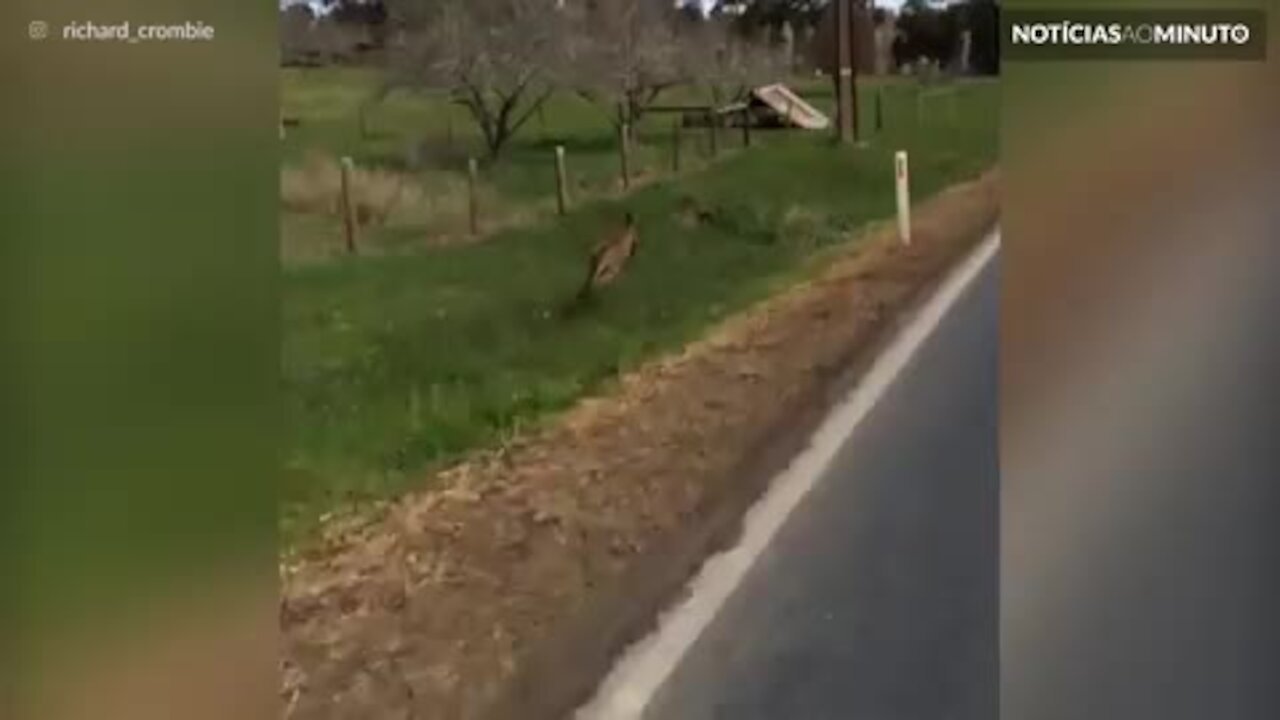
(578, 302)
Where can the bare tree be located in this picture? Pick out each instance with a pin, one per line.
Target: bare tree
(309, 40)
(731, 64)
(295, 28)
(500, 59)
(625, 53)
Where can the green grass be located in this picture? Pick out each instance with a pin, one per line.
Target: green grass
(516, 190)
(396, 364)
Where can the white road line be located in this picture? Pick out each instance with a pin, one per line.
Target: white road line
(640, 672)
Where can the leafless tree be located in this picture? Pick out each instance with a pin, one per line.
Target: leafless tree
(308, 40)
(625, 53)
(295, 27)
(731, 64)
(500, 59)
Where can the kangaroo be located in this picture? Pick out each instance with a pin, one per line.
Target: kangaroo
(608, 259)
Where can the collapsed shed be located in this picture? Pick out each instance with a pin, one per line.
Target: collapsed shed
(766, 106)
(785, 107)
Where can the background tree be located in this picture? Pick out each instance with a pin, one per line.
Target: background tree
(691, 12)
(731, 64)
(296, 38)
(625, 53)
(310, 39)
(367, 17)
(982, 18)
(861, 33)
(760, 18)
(500, 59)
(927, 32)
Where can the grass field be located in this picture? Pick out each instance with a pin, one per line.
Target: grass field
(428, 141)
(516, 190)
(395, 364)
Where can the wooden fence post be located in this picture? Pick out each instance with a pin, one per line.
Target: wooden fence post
(562, 182)
(415, 409)
(879, 109)
(746, 127)
(677, 129)
(713, 130)
(473, 201)
(348, 212)
(624, 149)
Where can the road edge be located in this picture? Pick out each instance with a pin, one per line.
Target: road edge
(640, 672)
(564, 675)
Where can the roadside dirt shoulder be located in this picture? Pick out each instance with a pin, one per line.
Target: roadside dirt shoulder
(505, 590)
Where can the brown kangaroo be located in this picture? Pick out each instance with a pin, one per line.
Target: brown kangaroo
(609, 258)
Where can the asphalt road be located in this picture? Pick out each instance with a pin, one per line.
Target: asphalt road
(877, 600)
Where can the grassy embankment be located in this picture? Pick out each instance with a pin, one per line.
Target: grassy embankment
(397, 364)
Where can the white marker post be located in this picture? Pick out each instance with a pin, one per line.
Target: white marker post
(903, 180)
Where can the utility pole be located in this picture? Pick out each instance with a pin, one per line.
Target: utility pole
(845, 88)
